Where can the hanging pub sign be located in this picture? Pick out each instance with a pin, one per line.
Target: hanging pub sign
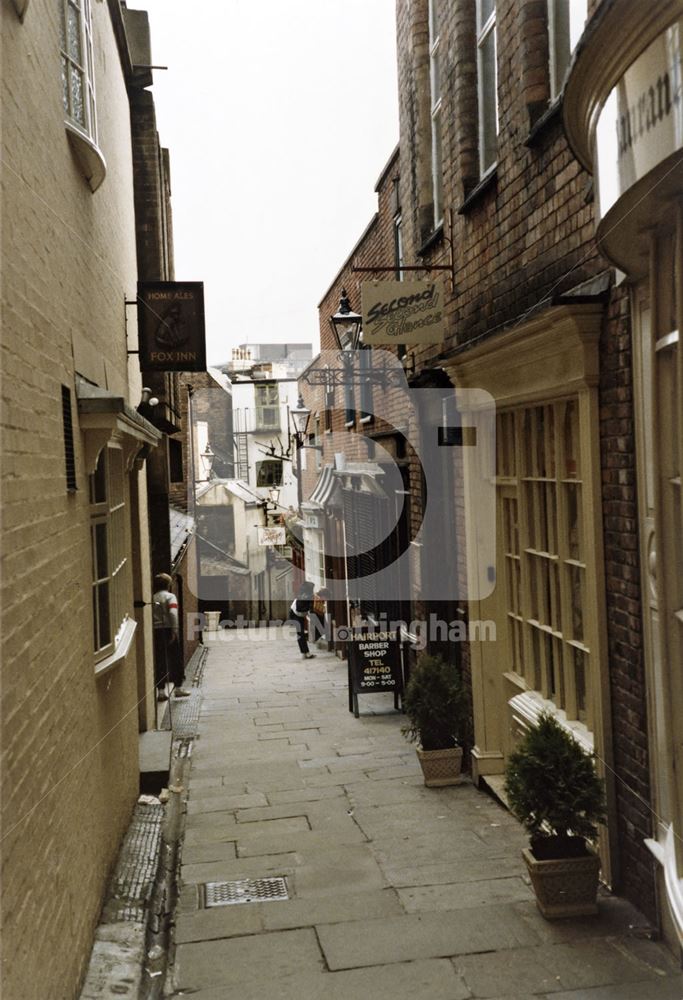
(374, 664)
(171, 326)
(403, 312)
(270, 535)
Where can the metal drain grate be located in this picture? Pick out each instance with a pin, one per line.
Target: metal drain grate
(248, 890)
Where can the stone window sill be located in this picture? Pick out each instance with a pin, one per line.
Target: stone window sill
(488, 181)
(118, 656)
(529, 705)
(432, 241)
(543, 124)
(88, 154)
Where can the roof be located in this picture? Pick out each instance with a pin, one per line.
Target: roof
(237, 487)
(93, 399)
(182, 526)
(220, 378)
(325, 488)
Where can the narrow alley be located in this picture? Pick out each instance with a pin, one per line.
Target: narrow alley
(393, 889)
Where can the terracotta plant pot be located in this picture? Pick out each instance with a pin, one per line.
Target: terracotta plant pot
(565, 887)
(441, 767)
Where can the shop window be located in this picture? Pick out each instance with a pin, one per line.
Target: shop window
(267, 407)
(269, 473)
(487, 79)
(566, 20)
(109, 539)
(435, 57)
(545, 559)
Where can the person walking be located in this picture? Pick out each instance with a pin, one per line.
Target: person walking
(168, 659)
(300, 608)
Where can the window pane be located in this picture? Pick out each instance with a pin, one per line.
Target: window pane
(65, 85)
(574, 542)
(437, 168)
(73, 29)
(434, 19)
(436, 77)
(580, 659)
(488, 114)
(62, 26)
(486, 8)
(571, 441)
(576, 592)
(103, 614)
(77, 106)
(101, 557)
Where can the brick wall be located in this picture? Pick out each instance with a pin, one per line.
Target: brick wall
(624, 610)
(517, 241)
(69, 740)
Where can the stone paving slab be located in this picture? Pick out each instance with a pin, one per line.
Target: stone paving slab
(430, 980)
(249, 844)
(446, 873)
(457, 896)
(305, 794)
(338, 869)
(427, 935)
(219, 800)
(236, 962)
(219, 922)
(663, 989)
(219, 850)
(552, 968)
(330, 909)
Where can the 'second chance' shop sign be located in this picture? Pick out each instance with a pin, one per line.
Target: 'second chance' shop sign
(403, 312)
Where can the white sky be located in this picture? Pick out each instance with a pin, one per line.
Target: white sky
(279, 116)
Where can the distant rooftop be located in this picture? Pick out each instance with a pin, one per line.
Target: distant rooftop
(294, 356)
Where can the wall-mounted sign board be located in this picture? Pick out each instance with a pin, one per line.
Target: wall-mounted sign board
(171, 326)
(403, 312)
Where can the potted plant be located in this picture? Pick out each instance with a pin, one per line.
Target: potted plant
(552, 788)
(436, 705)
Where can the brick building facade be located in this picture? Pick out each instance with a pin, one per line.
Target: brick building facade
(537, 318)
(77, 674)
(620, 114)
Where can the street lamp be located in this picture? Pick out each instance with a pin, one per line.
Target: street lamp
(274, 496)
(207, 457)
(346, 325)
(300, 415)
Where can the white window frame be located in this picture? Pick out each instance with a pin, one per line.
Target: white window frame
(77, 64)
(486, 29)
(110, 510)
(267, 399)
(435, 106)
(575, 14)
(399, 255)
(545, 557)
